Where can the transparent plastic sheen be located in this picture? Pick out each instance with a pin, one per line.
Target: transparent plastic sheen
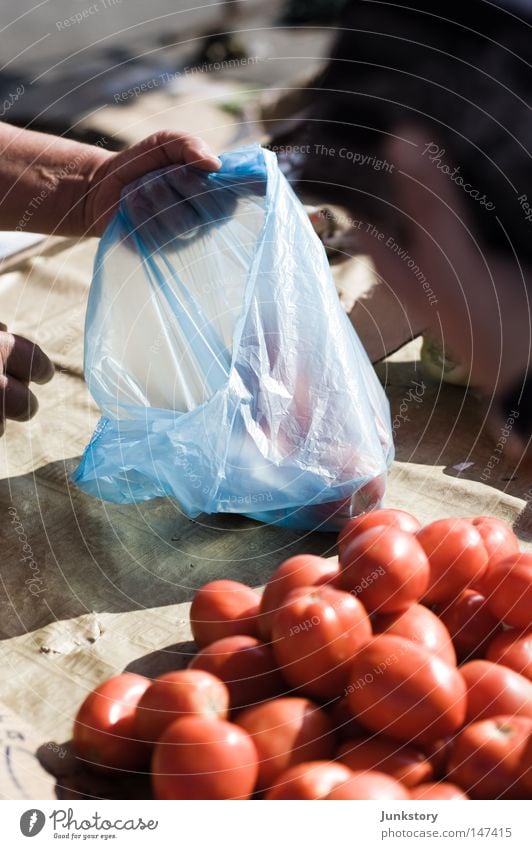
(227, 374)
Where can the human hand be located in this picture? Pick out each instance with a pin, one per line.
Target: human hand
(21, 362)
(106, 180)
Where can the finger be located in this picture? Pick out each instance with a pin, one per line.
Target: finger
(24, 359)
(163, 148)
(16, 400)
(197, 152)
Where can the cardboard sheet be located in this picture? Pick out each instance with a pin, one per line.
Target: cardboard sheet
(103, 588)
(90, 589)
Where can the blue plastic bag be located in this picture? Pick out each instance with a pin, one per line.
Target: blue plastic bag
(227, 373)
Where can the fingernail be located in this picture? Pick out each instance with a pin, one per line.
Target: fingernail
(207, 151)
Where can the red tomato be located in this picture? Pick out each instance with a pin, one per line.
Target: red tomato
(406, 764)
(315, 634)
(457, 557)
(223, 609)
(498, 538)
(310, 780)
(385, 516)
(438, 790)
(330, 516)
(385, 568)
(494, 690)
(199, 758)
(346, 726)
(525, 766)
(487, 758)
(245, 665)
(104, 735)
(398, 688)
(369, 785)
(287, 732)
(470, 623)
(421, 626)
(187, 692)
(368, 497)
(513, 649)
(303, 570)
(508, 589)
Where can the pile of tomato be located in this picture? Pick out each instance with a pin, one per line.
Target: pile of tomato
(404, 671)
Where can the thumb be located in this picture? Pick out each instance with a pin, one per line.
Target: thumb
(161, 149)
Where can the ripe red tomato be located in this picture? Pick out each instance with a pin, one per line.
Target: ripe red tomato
(385, 516)
(405, 763)
(470, 623)
(513, 649)
(314, 636)
(303, 570)
(487, 758)
(104, 735)
(457, 557)
(310, 780)
(398, 688)
(525, 766)
(187, 692)
(369, 785)
(287, 732)
(494, 690)
(369, 496)
(199, 758)
(421, 626)
(223, 609)
(438, 790)
(385, 568)
(508, 589)
(245, 665)
(498, 538)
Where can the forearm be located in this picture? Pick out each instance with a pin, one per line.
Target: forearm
(44, 181)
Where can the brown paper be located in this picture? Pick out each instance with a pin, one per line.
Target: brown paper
(21, 774)
(90, 589)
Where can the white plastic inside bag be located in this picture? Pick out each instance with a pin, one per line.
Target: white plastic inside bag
(174, 352)
(227, 373)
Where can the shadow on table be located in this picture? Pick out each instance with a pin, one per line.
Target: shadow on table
(65, 554)
(441, 425)
(74, 780)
